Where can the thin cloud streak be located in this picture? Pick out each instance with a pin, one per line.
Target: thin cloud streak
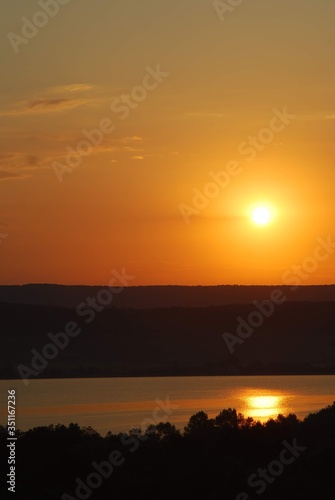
(42, 106)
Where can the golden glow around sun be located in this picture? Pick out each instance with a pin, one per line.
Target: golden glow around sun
(261, 216)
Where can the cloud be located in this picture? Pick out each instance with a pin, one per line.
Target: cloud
(73, 88)
(38, 106)
(32, 160)
(57, 98)
(19, 160)
(7, 156)
(10, 175)
(105, 148)
(18, 165)
(21, 165)
(133, 138)
(120, 145)
(130, 148)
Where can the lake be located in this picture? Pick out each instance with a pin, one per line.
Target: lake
(118, 404)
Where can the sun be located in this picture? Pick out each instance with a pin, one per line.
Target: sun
(261, 216)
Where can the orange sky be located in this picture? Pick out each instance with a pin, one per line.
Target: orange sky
(201, 90)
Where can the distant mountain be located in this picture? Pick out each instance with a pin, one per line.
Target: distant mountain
(142, 297)
(291, 338)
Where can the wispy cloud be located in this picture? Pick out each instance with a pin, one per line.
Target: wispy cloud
(133, 138)
(53, 99)
(72, 88)
(18, 165)
(22, 165)
(39, 106)
(119, 145)
(131, 148)
(19, 160)
(10, 175)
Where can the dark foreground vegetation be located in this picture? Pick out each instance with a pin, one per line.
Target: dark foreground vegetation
(227, 457)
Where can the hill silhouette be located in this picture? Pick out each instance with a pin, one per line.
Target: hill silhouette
(298, 338)
(138, 297)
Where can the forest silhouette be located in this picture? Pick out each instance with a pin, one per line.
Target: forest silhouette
(229, 456)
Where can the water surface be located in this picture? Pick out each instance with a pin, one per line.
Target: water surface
(118, 404)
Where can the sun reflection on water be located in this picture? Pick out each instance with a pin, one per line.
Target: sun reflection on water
(262, 406)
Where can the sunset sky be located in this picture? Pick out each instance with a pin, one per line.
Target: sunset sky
(223, 82)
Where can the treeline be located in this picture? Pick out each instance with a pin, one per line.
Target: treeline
(226, 457)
